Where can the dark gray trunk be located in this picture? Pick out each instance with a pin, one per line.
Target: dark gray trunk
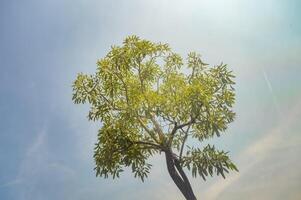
(178, 176)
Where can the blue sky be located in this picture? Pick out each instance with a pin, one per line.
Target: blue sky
(46, 142)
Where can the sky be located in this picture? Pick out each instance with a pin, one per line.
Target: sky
(46, 142)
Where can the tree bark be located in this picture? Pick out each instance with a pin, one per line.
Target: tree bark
(178, 175)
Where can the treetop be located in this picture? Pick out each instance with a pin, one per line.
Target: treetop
(149, 99)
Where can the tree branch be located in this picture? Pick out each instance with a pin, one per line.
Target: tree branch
(173, 173)
(186, 124)
(147, 130)
(103, 96)
(158, 128)
(184, 177)
(181, 179)
(176, 127)
(121, 79)
(183, 143)
(148, 143)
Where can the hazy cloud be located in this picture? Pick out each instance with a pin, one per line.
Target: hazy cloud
(254, 156)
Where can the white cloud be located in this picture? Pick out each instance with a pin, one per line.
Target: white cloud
(11, 183)
(258, 151)
(37, 167)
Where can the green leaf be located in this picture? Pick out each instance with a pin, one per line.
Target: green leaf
(140, 92)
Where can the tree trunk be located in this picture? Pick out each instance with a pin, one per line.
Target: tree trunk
(178, 175)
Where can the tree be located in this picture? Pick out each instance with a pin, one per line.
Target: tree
(149, 103)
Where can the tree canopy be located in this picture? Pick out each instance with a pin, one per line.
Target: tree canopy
(150, 100)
